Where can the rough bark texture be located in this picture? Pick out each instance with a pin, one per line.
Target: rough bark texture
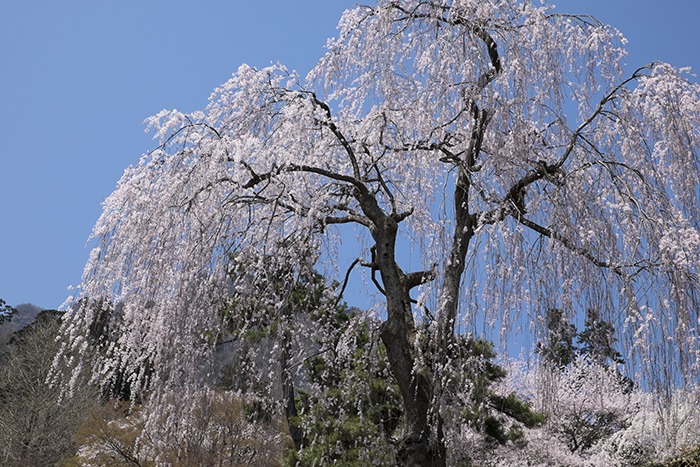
(416, 448)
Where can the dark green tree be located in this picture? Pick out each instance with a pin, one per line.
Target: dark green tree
(558, 347)
(270, 325)
(356, 412)
(582, 427)
(352, 412)
(597, 340)
(6, 311)
(500, 418)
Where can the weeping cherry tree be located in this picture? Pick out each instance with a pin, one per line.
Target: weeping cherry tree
(502, 140)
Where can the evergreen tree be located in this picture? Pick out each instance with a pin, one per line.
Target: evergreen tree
(499, 417)
(354, 413)
(580, 423)
(268, 327)
(597, 340)
(558, 347)
(6, 311)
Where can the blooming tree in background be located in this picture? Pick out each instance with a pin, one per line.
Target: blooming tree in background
(503, 140)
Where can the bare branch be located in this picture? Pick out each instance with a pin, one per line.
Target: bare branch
(257, 178)
(345, 282)
(414, 279)
(402, 215)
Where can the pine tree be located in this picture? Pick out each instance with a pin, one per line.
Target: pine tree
(581, 424)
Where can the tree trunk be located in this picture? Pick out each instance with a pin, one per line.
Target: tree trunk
(452, 279)
(290, 408)
(416, 448)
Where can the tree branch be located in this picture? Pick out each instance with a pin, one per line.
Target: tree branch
(414, 279)
(599, 109)
(568, 244)
(345, 282)
(257, 178)
(348, 219)
(398, 217)
(339, 135)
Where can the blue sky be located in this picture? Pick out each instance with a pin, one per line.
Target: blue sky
(77, 78)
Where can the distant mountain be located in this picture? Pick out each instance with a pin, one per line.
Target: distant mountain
(26, 314)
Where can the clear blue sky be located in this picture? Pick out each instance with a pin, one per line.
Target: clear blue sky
(77, 78)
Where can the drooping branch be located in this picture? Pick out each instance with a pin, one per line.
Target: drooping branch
(257, 178)
(475, 29)
(469, 93)
(514, 200)
(513, 204)
(583, 252)
(351, 218)
(611, 95)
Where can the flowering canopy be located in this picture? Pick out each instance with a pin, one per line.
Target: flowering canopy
(574, 184)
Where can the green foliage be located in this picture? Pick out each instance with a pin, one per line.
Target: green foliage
(484, 409)
(585, 428)
(354, 416)
(357, 416)
(289, 303)
(596, 341)
(352, 412)
(6, 311)
(279, 289)
(560, 349)
(251, 324)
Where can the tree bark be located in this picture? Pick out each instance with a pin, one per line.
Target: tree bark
(290, 408)
(464, 230)
(416, 448)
